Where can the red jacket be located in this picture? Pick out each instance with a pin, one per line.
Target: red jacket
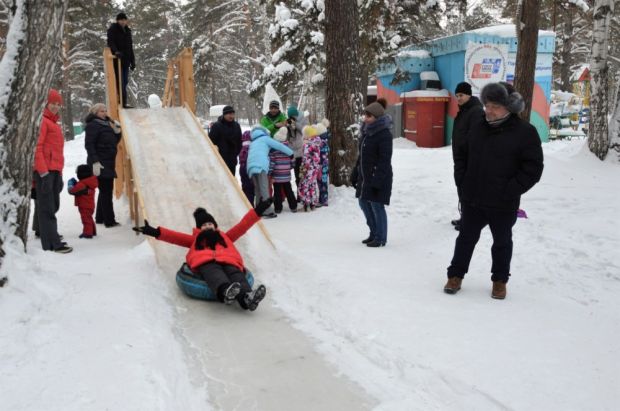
(48, 155)
(223, 255)
(85, 200)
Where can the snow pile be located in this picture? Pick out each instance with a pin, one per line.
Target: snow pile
(420, 54)
(581, 4)
(506, 30)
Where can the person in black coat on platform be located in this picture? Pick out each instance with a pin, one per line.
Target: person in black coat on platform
(101, 141)
(225, 133)
(121, 45)
(470, 109)
(501, 161)
(372, 174)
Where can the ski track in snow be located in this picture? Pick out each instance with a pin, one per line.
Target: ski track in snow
(95, 329)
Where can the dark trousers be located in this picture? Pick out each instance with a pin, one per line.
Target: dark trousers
(125, 78)
(246, 184)
(88, 224)
(47, 204)
(232, 166)
(105, 208)
(219, 276)
(376, 219)
(297, 170)
(473, 220)
(283, 188)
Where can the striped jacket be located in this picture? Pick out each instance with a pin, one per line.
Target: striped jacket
(280, 166)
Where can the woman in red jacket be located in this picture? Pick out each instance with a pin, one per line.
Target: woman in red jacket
(48, 163)
(213, 255)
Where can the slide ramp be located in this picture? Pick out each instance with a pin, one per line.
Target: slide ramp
(244, 360)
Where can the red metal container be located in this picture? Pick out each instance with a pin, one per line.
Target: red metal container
(424, 113)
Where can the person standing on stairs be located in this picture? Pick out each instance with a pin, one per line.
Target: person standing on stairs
(121, 45)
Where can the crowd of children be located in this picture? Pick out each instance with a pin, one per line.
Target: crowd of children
(270, 143)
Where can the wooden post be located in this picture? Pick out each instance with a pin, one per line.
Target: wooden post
(111, 90)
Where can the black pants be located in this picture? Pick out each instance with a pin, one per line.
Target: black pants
(473, 220)
(297, 169)
(232, 165)
(124, 78)
(278, 188)
(219, 276)
(47, 204)
(105, 208)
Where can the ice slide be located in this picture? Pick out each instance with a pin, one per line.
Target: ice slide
(254, 361)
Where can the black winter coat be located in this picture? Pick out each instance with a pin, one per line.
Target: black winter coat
(498, 164)
(372, 175)
(468, 114)
(226, 135)
(119, 40)
(100, 143)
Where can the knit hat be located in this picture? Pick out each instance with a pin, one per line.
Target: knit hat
(376, 109)
(258, 131)
(121, 16)
(310, 131)
(274, 103)
(202, 216)
(84, 171)
(292, 112)
(53, 96)
(281, 134)
(228, 109)
(463, 88)
(321, 126)
(503, 94)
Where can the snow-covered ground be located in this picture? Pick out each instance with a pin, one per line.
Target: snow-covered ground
(94, 329)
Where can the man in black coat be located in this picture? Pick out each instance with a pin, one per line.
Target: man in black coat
(470, 109)
(502, 160)
(121, 44)
(225, 133)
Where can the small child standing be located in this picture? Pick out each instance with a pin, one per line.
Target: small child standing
(310, 168)
(280, 169)
(323, 179)
(84, 192)
(246, 182)
(258, 164)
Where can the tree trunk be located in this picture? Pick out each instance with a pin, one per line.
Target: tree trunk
(344, 97)
(567, 50)
(525, 64)
(26, 71)
(598, 136)
(67, 108)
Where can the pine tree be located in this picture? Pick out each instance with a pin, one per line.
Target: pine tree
(26, 70)
(344, 95)
(598, 137)
(525, 64)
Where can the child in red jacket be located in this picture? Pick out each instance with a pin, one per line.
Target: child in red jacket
(84, 192)
(213, 255)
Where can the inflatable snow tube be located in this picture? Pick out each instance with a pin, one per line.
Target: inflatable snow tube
(194, 286)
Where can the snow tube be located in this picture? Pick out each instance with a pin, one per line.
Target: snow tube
(194, 286)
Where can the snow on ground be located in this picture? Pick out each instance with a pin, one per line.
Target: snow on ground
(93, 329)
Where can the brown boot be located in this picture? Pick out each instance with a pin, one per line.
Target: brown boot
(453, 285)
(499, 290)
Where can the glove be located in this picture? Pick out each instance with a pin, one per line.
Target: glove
(263, 206)
(146, 229)
(116, 126)
(132, 66)
(97, 167)
(118, 55)
(70, 184)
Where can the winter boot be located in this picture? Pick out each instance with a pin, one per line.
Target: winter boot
(253, 298)
(499, 290)
(453, 285)
(368, 240)
(231, 293)
(456, 222)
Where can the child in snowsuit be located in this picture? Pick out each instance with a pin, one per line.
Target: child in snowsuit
(323, 180)
(246, 182)
(213, 255)
(280, 170)
(310, 168)
(258, 163)
(84, 192)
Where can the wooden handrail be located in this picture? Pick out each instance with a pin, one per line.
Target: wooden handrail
(180, 68)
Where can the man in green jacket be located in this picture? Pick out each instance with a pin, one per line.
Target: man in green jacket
(274, 119)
